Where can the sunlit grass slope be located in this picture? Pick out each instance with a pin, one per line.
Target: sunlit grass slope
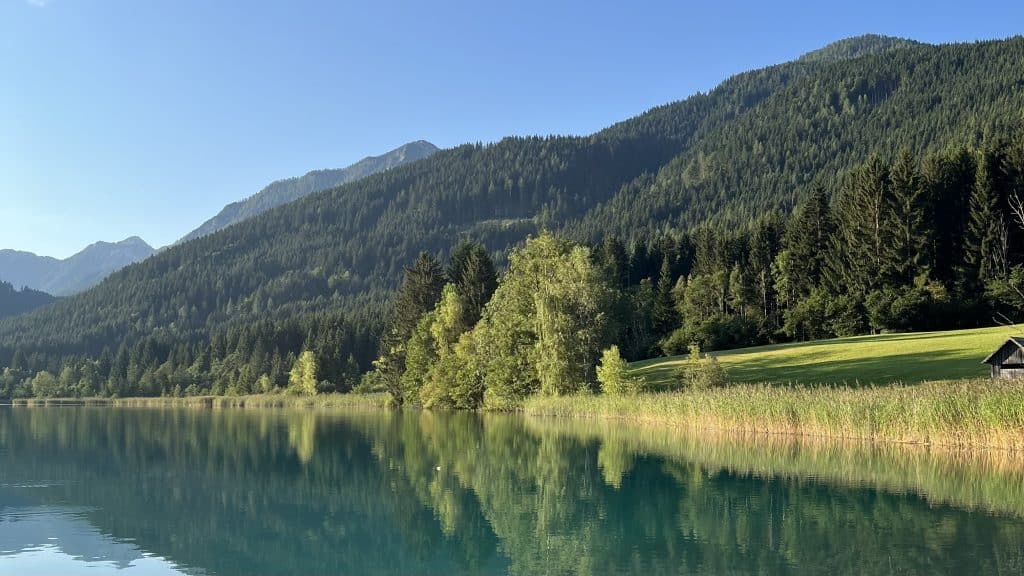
(883, 359)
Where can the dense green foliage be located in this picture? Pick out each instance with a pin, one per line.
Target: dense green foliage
(684, 187)
(540, 332)
(14, 302)
(875, 259)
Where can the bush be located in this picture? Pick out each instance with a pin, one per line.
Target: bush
(699, 373)
(46, 385)
(613, 375)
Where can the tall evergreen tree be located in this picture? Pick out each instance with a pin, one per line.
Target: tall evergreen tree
(764, 245)
(948, 177)
(911, 214)
(860, 255)
(471, 270)
(420, 291)
(986, 227)
(614, 262)
(666, 318)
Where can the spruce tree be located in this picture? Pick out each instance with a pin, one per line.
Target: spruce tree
(806, 242)
(860, 255)
(420, 291)
(471, 270)
(910, 215)
(948, 176)
(986, 226)
(666, 318)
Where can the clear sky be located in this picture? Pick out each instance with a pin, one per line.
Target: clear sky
(127, 117)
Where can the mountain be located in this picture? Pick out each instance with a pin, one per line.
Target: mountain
(322, 268)
(284, 191)
(75, 273)
(14, 302)
(822, 118)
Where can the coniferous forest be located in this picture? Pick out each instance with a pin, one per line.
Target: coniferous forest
(874, 185)
(14, 302)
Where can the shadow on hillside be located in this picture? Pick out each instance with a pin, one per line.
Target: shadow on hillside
(910, 368)
(848, 340)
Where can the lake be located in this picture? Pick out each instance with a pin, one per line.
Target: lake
(132, 491)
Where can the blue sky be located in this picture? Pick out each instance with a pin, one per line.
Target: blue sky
(123, 117)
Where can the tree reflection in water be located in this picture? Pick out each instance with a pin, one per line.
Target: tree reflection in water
(372, 492)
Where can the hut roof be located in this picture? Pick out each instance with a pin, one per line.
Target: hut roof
(1017, 341)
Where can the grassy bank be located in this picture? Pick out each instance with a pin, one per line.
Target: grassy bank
(249, 401)
(963, 413)
(881, 359)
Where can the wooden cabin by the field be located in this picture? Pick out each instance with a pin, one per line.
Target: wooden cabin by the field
(1008, 360)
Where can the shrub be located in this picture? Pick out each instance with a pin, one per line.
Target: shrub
(613, 375)
(699, 373)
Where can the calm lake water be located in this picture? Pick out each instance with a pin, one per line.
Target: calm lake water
(192, 491)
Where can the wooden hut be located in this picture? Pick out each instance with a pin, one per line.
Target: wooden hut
(1008, 360)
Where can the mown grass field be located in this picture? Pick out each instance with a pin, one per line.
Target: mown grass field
(883, 359)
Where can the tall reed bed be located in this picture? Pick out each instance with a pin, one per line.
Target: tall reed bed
(962, 413)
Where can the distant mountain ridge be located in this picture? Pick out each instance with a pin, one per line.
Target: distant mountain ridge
(75, 273)
(281, 192)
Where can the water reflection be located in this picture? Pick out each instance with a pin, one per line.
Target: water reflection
(54, 539)
(241, 492)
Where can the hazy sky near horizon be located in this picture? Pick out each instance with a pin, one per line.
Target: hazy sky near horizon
(121, 118)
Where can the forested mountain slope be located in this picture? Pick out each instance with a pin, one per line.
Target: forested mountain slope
(281, 192)
(755, 144)
(14, 302)
(824, 122)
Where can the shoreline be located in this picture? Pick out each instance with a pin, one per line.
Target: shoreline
(959, 414)
(375, 400)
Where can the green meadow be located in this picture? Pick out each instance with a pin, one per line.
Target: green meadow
(908, 358)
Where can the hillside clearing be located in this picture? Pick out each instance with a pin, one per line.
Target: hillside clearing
(909, 358)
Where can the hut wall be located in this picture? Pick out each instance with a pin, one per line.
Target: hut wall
(998, 372)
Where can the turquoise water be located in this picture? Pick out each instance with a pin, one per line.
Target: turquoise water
(224, 492)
